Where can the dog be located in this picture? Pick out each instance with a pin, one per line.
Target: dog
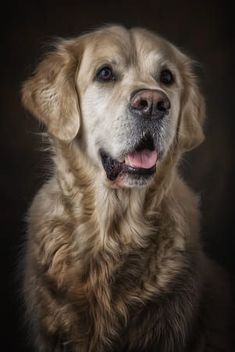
(113, 259)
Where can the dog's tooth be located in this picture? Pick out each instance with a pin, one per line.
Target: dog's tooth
(121, 160)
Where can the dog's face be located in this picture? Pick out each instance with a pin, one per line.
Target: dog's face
(131, 93)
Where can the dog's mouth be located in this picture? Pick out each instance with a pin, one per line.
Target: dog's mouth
(141, 161)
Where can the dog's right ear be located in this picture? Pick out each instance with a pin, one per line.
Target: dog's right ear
(50, 94)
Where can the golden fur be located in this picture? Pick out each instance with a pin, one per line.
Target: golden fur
(111, 266)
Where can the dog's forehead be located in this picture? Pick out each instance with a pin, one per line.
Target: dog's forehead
(148, 43)
(129, 46)
(108, 43)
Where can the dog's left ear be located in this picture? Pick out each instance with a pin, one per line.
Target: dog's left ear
(50, 94)
(190, 133)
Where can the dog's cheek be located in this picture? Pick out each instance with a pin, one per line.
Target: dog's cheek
(172, 120)
(97, 117)
(167, 128)
(95, 108)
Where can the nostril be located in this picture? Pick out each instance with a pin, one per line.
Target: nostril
(143, 104)
(161, 106)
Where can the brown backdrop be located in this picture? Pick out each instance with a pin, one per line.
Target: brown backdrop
(203, 29)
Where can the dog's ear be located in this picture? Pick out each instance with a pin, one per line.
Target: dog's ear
(190, 133)
(50, 94)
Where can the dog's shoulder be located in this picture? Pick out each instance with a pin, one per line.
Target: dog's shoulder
(47, 203)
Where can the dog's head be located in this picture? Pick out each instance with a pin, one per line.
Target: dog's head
(126, 97)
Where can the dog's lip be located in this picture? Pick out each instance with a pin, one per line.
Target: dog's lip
(141, 161)
(115, 168)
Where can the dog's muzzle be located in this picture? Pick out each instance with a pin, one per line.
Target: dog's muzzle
(149, 106)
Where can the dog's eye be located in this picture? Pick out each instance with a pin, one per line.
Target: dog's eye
(105, 74)
(166, 77)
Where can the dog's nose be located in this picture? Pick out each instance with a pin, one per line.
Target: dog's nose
(149, 103)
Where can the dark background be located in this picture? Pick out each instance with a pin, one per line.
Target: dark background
(203, 29)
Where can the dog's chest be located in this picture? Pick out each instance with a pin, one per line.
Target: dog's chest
(112, 289)
(115, 291)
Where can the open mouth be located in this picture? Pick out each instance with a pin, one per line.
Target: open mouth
(139, 162)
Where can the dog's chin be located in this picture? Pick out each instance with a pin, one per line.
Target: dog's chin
(133, 180)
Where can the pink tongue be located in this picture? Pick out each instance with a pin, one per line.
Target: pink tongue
(144, 159)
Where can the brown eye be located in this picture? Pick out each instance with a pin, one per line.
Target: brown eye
(166, 77)
(105, 74)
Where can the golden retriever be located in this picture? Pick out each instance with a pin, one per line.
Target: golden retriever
(113, 256)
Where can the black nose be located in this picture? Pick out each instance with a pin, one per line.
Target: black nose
(149, 103)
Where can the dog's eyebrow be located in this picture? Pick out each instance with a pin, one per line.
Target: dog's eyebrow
(106, 60)
(153, 60)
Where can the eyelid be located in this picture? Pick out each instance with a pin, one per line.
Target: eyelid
(167, 71)
(103, 66)
(173, 71)
(108, 65)
(100, 67)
